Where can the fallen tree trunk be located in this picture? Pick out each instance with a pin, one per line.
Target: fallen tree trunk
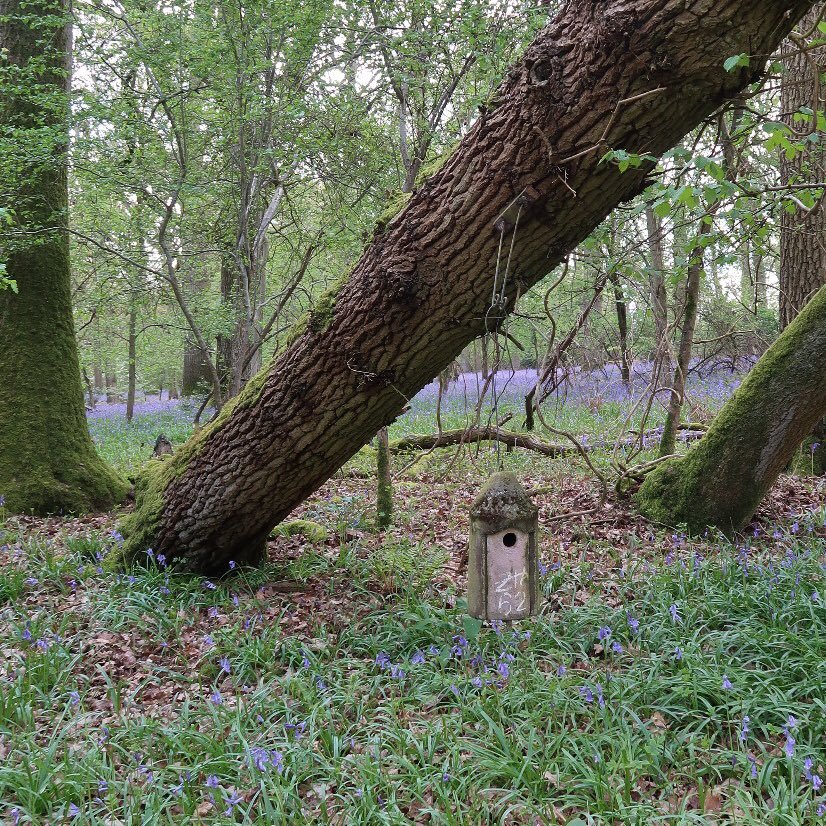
(633, 75)
(720, 482)
(454, 438)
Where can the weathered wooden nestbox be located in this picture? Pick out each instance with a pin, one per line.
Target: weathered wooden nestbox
(503, 570)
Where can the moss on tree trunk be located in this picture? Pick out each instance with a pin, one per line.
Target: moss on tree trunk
(48, 463)
(721, 481)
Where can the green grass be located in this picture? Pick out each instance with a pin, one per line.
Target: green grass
(410, 709)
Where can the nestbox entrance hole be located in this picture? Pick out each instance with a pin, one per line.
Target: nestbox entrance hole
(509, 539)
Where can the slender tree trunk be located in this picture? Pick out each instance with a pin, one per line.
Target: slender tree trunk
(721, 481)
(131, 372)
(48, 463)
(635, 75)
(97, 377)
(622, 325)
(803, 234)
(668, 442)
(90, 390)
(111, 381)
(747, 285)
(384, 496)
(658, 294)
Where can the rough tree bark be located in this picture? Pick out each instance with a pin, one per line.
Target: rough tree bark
(635, 75)
(803, 234)
(721, 481)
(48, 463)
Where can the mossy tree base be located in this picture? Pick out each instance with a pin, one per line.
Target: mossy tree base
(720, 482)
(48, 462)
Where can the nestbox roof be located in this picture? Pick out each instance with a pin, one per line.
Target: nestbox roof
(502, 502)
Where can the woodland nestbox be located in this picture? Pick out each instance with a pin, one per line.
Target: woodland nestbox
(503, 572)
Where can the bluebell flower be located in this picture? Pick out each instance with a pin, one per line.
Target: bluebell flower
(744, 729)
(212, 782)
(417, 658)
(727, 686)
(232, 800)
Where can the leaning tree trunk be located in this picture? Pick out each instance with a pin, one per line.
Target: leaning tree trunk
(720, 482)
(47, 460)
(803, 234)
(633, 75)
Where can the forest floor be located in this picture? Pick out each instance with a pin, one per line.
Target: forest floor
(667, 680)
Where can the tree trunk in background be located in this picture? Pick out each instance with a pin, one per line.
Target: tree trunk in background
(111, 381)
(622, 325)
(668, 443)
(195, 377)
(420, 292)
(721, 481)
(132, 355)
(90, 390)
(802, 234)
(384, 478)
(98, 377)
(658, 294)
(48, 463)
(236, 361)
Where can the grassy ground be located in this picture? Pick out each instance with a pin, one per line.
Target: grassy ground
(666, 681)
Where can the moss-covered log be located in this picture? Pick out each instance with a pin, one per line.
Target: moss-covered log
(48, 463)
(721, 481)
(633, 75)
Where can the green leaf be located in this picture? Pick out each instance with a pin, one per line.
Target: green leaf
(662, 209)
(736, 61)
(472, 627)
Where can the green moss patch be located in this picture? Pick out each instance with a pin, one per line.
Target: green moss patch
(311, 531)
